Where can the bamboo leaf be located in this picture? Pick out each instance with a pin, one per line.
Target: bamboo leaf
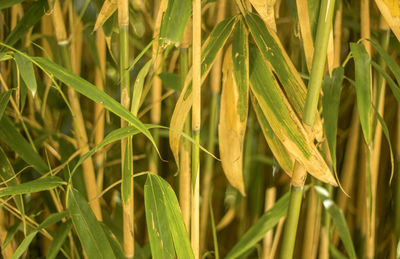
(31, 17)
(164, 221)
(37, 185)
(10, 135)
(331, 88)
(92, 92)
(108, 8)
(59, 239)
(210, 50)
(138, 88)
(362, 63)
(265, 9)
(390, 10)
(89, 230)
(4, 98)
(339, 220)
(171, 80)
(284, 158)
(283, 121)
(395, 88)
(9, 3)
(174, 21)
(234, 106)
(26, 69)
(260, 228)
(52, 219)
(24, 245)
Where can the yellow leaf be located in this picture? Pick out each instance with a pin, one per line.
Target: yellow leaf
(231, 129)
(266, 10)
(390, 10)
(108, 8)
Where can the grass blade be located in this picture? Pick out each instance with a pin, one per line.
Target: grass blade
(285, 124)
(164, 221)
(339, 220)
(59, 239)
(38, 185)
(25, 67)
(259, 229)
(24, 245)
(362, 63)
(10, 135)
(4, 98)
(92, 92)
(89, 230)
(331, 88)
(174, 21)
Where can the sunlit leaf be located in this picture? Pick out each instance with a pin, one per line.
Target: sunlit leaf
(37, 185)
(26, 69)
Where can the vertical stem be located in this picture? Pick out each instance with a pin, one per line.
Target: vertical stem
(314, 87)
(209, 169)
(79, 123)
(126, 144)
(196, 120)
(98, 117)
(184, 174)
(270, 197)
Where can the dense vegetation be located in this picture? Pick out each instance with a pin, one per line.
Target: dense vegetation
(199, 129)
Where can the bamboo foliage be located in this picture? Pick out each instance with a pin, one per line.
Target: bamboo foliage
(276, 94)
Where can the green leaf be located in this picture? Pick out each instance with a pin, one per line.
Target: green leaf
(164, 220)
(174, 21)
(10, 135)
(26, 69)
(92, 92)
(24, 245)
(171, 80)
(89, 230)
(395, 88)
(4, 98)
(52, 219)
(37, 185)
(259, 229)
(283, 121)
(59, 239)
(9, 3)
(278, 149)
(362, 63)
(339, 220)
(138, 87)
(240, 57)
(273, 52)
(31, 17)
(331, 88)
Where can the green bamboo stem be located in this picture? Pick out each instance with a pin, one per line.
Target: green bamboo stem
(196, 121)
(126, 144)
(314, 87)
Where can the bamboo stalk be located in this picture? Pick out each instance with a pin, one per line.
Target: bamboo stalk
(314, 86)
(98, 117)
(79, 125)
(196, 121)
(128, 206)
(215, 82)
(270, 197)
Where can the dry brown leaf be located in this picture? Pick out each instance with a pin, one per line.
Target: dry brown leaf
(108, 8)
(390, 10)
(231, 129)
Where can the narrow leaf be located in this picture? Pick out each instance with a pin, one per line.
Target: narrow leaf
(92, 92)
(362, 63)
(260, 228)
(24, 245)
(164, 221)
(331, 88)
(89, 230)
(26, 69)
(37, 185)
(59, 239)
(4, 98)
(108, 8)
(52, 219)
(10, 135)
(174, 21)
(283, 121)
(339, 220)
(210, 50)
(9, 3)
